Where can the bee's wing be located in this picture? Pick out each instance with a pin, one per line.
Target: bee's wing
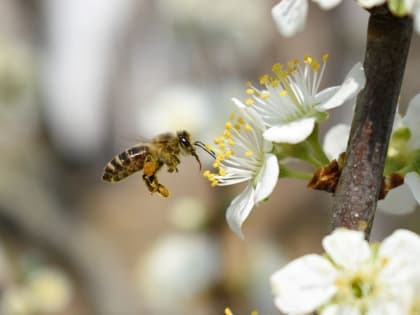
(128, 140)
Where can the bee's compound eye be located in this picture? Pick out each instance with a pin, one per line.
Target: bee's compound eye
(184, 141)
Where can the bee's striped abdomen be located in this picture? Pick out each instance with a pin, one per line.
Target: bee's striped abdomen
(125, 163)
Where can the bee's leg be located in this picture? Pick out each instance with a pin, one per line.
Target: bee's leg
(151, 166)
(171, 160)
(154, 186)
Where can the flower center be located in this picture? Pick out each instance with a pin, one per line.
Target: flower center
(289, 92)
(239, 149)
(358, 288)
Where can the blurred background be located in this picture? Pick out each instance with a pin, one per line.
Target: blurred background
(80, 81)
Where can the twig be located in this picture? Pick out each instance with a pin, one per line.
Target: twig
(388, 42)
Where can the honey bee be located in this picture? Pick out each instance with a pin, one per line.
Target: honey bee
(164, 149)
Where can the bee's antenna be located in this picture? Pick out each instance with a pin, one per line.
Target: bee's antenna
(205, 148)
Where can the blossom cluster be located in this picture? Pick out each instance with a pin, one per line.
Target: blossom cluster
(276, 122)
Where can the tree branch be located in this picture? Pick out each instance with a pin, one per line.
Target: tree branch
(388, 42)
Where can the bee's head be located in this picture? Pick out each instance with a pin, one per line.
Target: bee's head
(185, 144)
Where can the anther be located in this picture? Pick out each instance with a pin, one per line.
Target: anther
(249, 101)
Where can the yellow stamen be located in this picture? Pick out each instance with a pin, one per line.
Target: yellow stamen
(249, 101)
(248, 127)
(384, 261)
(274, 83)
(315, 65)
(237, 126)
(277, 67)
(250, 91)
(241, 120)
(265, 95)
(218, 140)
(325, 57)
(228, 125)
(249, 153)
(222, 146)
(283, 92)
(264, 79)
(307, 59)
(232, 116)
(222, 172)
(231, 142)
(228, 311)
(211, 178)
(227, 134)
(292, 63)
(254, 313)
(228, 154)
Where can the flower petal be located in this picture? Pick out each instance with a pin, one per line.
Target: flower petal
(304, 284)
(290, 16)
(398, 201)
(249, 113)
(412, 180)
(293, 132)
(268, 177)
(341, 309)
(326, 94)
(412, 121)
(400, 250)
(398, 300)
(327, 4)
(240, 208)
(346, 248)
(335, 140)
(353, 83)
(370, 3)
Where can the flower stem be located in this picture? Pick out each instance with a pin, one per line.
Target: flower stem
(388, 42)
(316, 148)
(287, 172)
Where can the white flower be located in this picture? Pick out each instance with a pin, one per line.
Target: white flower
(244, 156)
(352, 278)
(405, 198)
(290, 104)
(290, 15)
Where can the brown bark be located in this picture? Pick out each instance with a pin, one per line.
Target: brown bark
(388, 42)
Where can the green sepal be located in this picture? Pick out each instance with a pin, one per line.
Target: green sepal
(397, 7)
(322, 116)
(399, 155)
(309, 150)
